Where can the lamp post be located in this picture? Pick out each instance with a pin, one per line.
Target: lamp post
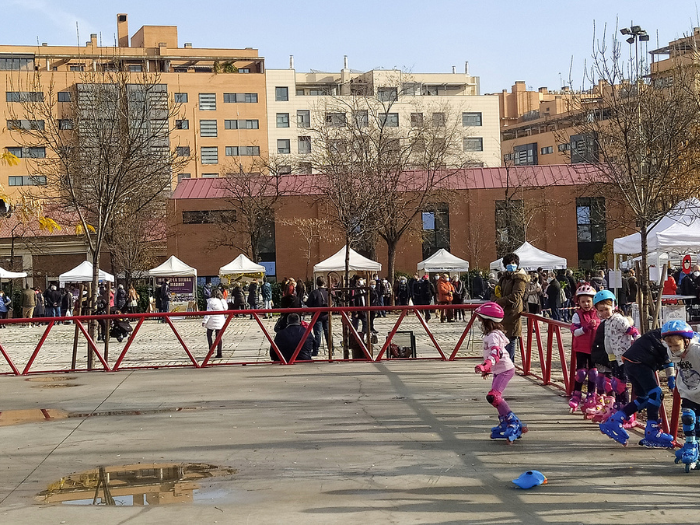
(636, 34)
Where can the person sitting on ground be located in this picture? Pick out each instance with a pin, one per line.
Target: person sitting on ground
(288, 339)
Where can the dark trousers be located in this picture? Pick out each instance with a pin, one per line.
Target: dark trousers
(510, 347)
(643, 381)
(211, 341)
(318, 327)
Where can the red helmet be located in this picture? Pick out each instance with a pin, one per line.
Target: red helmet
(490, 311)
(585, 289)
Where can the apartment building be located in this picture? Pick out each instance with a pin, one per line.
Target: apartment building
(220, 94)
(298, 102)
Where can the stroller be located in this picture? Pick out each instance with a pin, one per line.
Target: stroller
(120, 329)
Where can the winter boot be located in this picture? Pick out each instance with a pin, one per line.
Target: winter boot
(498, 432)
(654, 437)
(613, 428)
(574, 402)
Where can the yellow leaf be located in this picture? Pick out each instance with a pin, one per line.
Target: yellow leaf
(79, 230)
(48, 224)
(9, 158)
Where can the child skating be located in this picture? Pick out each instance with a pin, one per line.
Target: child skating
(498, 362)
(684, 351)
(584, 324)
(645, 357)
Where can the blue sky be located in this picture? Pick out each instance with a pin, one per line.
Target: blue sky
(503, 41)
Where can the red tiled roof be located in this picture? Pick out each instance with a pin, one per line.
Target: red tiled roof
(466, 179)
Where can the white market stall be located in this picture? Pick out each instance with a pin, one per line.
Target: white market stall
(336, 263)
(183, 283)
(83, 274)
(443, 261)
(241, 268)
(5, 274)
(532, 258)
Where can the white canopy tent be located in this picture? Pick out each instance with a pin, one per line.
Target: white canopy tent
(358, 263)
(443, 261)
(654, 256)
(83, 274)
(677, 232)
(173, 267)
(242, 267)
(4, 274)
(532, 258)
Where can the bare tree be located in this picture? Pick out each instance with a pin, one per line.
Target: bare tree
(107, 152)
(311, 230)
(640, 134)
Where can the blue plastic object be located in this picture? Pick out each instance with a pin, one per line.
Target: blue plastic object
(530, 479)
(603, 295)
(677, 327)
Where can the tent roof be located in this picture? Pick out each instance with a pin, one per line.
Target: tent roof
(83, 274)
(4, 274)
(678, 231)
(443, 261)
(336, 263)
(173, 267)
(242, 267)
(532, 258)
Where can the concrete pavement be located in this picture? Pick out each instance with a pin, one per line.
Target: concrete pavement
(397, 442)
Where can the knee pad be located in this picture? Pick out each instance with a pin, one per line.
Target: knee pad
(641, 402)
(689, 420)
(619, 386)
(655, 396)
(494, 397)
(581, 375)
(593, 375)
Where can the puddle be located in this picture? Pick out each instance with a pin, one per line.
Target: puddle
(55, 385)
(50, 379)
(138, 485)
(34, 415)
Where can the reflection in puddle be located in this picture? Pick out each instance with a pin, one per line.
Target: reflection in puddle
(32, 415)
(133, 485)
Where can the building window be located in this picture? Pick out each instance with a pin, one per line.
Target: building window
(282, 94)
(473, 144)
(282, 120)
(240, 98)
(25, 124)
(242, 124)
(525, 154)
(361, 118)
(182, 151)
(591, 229)
(584, 148)
(507, 157)
(16, 64)
(210, 155)
(207, 101)
(304, 145)
(387, 94)
(283, 146)
(210, 175)
(305, 168)
(135, 68)
(286, 169)
(390, 120)
(183, 124)
(183, 176)
(438, 120)
(416, 120)
(38, 152)
(27, 180)
(471, 118)
(303, 118)
(244, 70)
(64, 96)
(436, 229)
(510, 225)
(208, 216)
(207, 128)
(546, 150)
(76, 67)
(336, 120)
(564, 147)
(243, 151)
(180, 98)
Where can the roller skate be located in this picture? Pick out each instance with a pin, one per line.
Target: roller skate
(604, 411)
(654, 437)
(688, 455)
(515, 429)
(631, 422)
(613, 428)
(498, 432)
(589, 405)
(574, 402)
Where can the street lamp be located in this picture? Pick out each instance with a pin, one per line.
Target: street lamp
(637, 34)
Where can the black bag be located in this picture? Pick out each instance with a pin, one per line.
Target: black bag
(281, 324)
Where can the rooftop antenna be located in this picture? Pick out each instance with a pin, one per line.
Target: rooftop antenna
(77, 32)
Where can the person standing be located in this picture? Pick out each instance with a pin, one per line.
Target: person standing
(553, 297)
(445, 294)
(39, 310)
(458, 296)
(28, 302)
(533, 291)
(53, 301)
(512, 286)
(165, 297)
(214, 323)
(267, 298)
(5, 303)
(132, 300)
(319, 299)
(120, 299)
(253, 296)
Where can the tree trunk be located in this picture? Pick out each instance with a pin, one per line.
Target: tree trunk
(93, 301)
(644, 281)
(391, 254)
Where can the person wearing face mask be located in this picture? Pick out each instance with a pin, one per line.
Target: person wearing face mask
(445, 293)
(512, 285)
(643, 359)
(689, 284)
(553, 293)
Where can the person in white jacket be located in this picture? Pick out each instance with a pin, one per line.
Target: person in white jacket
(214, 323)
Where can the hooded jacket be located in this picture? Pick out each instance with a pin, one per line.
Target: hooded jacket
(512, 286)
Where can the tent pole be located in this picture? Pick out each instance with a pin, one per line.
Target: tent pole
(657, 308)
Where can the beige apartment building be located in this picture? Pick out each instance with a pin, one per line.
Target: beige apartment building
(220, 93)
(297, 102)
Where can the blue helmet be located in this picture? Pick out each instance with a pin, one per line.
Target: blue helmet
(530, 479)
(677, 327)
(602, 296)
